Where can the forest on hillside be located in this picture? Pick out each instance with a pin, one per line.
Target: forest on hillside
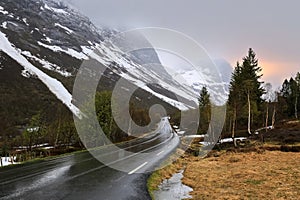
(252, 104)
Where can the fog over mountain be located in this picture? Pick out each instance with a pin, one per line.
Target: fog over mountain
(44, 43)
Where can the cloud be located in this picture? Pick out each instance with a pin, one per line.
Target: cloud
(225, 28)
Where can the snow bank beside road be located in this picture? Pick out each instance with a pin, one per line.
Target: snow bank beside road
(7, 161)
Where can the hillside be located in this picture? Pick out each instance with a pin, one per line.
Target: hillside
(42, 48)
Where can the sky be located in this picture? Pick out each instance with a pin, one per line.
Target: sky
(226, 29)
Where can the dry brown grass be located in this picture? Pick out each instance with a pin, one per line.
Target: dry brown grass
(252, 175)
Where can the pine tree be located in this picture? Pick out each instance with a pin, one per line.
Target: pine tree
(289, 95)
(204, 98)
(33, 132)
(285, 98)
(104, 113)
(251, 86)
(285, 89)
(205, 110)
(246, 90)
(234, 99)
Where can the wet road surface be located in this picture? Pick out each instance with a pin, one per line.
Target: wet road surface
(82, 176)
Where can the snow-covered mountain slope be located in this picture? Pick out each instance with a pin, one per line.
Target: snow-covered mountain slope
(48, 35)
(194, 80)
(50, 41)
(54, 85)
(36, 26)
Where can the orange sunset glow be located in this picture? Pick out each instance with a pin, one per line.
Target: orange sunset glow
(275, 72)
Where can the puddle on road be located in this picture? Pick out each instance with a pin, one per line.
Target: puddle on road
(173, 189)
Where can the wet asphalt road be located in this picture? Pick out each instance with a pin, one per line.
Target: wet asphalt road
(81, 176)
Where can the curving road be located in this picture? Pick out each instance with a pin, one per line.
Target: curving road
(82, 176)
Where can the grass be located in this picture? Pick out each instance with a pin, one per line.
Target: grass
(252, 175)
(254, 182)
(153, 182)
(257, 171)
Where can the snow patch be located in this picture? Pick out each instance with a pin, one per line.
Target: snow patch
(25, 21)
(47, 39)
(12, 23)
(71, 52)
(106, 56)
(197, 80)
(4, 25)
(47, 65)
(57, 10)
(230, 140)
(69, 31)
(184, 84)
(27, 73)
(47, 7)
(87, 50)
(8, 161)
(11, 15)
(142, 85)
(96, 56)
(4, 12)
(224, 140)
(56, 87)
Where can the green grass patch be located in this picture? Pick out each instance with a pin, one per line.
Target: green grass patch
(153, 182)
(254, 182)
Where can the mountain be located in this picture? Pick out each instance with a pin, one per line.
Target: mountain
(43, 44)
(197, 83)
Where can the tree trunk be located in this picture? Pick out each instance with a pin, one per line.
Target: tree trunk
(57, 133)
(267, 117)
(211, 134)
(233, 127)
(129, 128)
(30, 143)
(296, 105)
(273, 116)
(112, 136)
(249, 113)
(229, 128)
